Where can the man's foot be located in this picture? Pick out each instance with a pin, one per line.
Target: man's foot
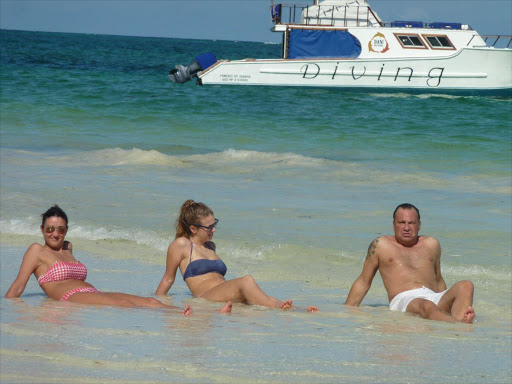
(287, 304)
(312, 308)
(469, 315)
(227, 308)
(187, 311)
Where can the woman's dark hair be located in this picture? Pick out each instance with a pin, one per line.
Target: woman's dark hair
(190, 213)
(55, 211)
(406, 206)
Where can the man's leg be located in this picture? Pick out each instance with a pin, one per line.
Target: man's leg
(458, 301)
(428, 310)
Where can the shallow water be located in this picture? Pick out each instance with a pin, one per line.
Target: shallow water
(301, 180)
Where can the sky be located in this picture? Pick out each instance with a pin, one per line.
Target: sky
(241, 20)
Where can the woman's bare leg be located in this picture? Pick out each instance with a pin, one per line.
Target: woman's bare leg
(122, 300)
(244, 290)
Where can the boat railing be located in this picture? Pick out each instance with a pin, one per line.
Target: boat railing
(429, 25)
(363, 16)
(324, 15)
(498, 41)
(345, 16)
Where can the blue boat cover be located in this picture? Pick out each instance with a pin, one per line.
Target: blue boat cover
(311, 43)
(407, 24)
(439, 25)
(206, 60)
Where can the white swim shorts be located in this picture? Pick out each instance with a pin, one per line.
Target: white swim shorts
(402, 300)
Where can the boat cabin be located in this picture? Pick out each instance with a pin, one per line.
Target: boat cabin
(336, 28)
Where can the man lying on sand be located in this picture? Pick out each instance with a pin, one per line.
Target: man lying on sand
(410, 267)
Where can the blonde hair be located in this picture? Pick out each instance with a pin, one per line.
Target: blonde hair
(190, 213)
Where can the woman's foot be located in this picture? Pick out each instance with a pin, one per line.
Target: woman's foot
(287, 304)
(227, 308)
(187, 311)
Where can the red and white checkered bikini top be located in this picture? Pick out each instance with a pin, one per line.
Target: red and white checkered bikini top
(62, 270)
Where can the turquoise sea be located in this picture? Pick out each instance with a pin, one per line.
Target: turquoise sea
(302, 181)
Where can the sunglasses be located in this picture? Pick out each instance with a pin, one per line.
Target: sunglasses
(50, 229)
(208, 228)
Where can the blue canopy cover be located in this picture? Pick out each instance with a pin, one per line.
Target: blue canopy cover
(312, 43)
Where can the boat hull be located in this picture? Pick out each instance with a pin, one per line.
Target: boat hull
(469, 71)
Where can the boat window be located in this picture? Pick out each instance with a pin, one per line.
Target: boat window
(410, 41)
(416, 41)
(439, 41)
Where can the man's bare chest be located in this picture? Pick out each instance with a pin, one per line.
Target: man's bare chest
(414, 259)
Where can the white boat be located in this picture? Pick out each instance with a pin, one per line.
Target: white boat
(345, 44)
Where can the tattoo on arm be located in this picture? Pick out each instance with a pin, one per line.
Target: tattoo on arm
(372, 248)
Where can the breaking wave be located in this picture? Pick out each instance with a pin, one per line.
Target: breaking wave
(243, 162)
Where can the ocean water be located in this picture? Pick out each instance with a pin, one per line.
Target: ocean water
(302, 181)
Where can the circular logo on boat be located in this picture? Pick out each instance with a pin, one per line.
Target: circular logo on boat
(378, 43)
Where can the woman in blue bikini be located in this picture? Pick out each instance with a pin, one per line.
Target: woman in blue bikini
(193, 252)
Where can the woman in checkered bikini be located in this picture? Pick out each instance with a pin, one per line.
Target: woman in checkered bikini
(61, 276)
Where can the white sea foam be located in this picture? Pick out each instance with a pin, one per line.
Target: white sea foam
(136, 156)
(149, 238)
(31, 228)
(119, 157)
(244, 161)
(261, 159)
(233, 161)
(27, 226)
(494, 277)
(501, 273)
(401, 95)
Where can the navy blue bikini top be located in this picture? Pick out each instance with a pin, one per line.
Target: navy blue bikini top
(202, 266)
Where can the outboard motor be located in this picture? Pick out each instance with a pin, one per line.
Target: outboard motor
(181, 74)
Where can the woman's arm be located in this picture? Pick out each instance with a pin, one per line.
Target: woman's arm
(174, 258)
(28, 266)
